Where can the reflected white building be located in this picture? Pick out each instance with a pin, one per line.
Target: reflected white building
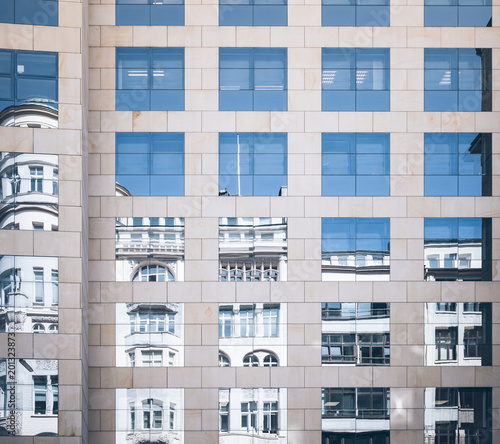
(253, 335)
(37, 113)
(36, 395)
(29, 294)
(355, 265)
(149, 249)
(252, 249)
(253, 415)
(458, 334)
(149, 335)
(150, 416)
(29, 189)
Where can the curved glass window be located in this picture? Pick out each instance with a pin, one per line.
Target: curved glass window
(153, 273)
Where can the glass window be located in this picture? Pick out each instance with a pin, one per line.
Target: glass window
(28, 89)
(150, 164)
(270, 317)
(355, 79)
(252, 164)
(30, 12)
(252, 79)
(457, 79)
(152, 358)
(225, 322)
(246, 322)
(39, 285)
(457, 13)
(150, 79)
(355, 13)
(253, 12)
(458, 164)
(361, 403)
(355, 164)
(250, 361)
(150, 12)
(460, 249)
(446, 344)
(355, 249)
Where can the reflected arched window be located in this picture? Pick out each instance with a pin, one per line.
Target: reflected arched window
(153, 273)
(53, 328)
(224, 360)
(270, 361)
(38, 328)
(152, 414)
(250, 361)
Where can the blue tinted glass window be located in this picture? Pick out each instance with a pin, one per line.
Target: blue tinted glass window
(253, 12)
(252, 164)
(150, 164)
(355, 249)
(457, 79)
(355, 79)
(457, 164)
(28, 88)
(355, 164)
(150, 12)
(355, 13)
(457, 13)
(457, 249)
(30, 12)
(252, 79)
(150, 79)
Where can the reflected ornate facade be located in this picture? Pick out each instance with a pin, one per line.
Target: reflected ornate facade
(253, 415)
(252, 249)
(29, 294)
(29, 191)
(149, 335)
(36, 394)
(149, 249)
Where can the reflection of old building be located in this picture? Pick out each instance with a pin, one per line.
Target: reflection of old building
(149, 416)
(252, 415)
(458, 333)
(149, 249)
(149, 335)
(36, 394)
(355, 333)
(35, 114)
(29, 294)
(352, 415)
(252, 335)
(29, 188)
(457, 415)
(252, 249)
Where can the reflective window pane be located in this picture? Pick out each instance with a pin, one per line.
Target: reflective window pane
(253, 13)
(150, 13)
(30, 12)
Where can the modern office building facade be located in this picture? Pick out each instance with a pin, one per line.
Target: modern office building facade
(249, 222)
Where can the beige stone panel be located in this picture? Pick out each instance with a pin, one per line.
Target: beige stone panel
(316, 36)
(312, 79)
(102, 228)
(398, 419)
(201, 15)
(326, 376)
(116, 35)
(16, 139)
(405, 143)
(355, 292)
(18, 242)
(70, 372)
(355, 121)
(355, 37)
(304, 313)
(306, 270)
(184, 36)
(101, 185)
(389, 291)
(487, 376)
(117, 121)
(94, 206)
(355, 377)
(210, 164)
(487, 206)
(415, 249)
(101, 437)
(253, 36)
(399, 335)
(253, 291)
(454, 122)
(300, 356)
(192, 249)
(215, 36)
(453, 292)
(287, 36)
(389, 122)
(483, 293)
(69, 91)
(107, 249)
(355, 206)
(116, 206)
(116, 292)
(253, 121)
(149, 121)
(322, 206)
(389, 207)
(457, 206)
(70, 116)
(56, 346)
(202, 100)
(399, 249)
(70, 397)
(101, 15)
(389, 37)
(295, 334)
(70, 218)
(287, 292)
(16, 36)
(287, 207)
(149, 292)
(116, 377)
(215, 206)
(487, 122)
(300, 437)
(457, 37)
(70, 168)
(304, 58)
(204, 437)
(407, 355)
(458, 376)
(108, 78)
(152, 206)
(415, 78)
(24, 345)
(102, 399)
(424, 206)
(56, 244)
(287, 377)
(204, 185)
(102, 100)
(402, 270)
(192, 164)
(253, 206)
(218, 292)
(407, 58)
(69, 295)
(298, 228)
(184, 121)
(52, 38)
(407, 436)
(312, 249)
(199, 398)
(94, 121)
(295, 420)
(389, 376)
(184, 206)
(304, 100)
(304, 143)
(53, 141)
(193, 79)
(486, 38)
(102, 57)
(202, 143)
(409, 313)
(407, 100)
(424, 376)
(304, 15)
(102, 356)
(407, 185)
(149, 36)
(210, 334)
(102, 270)
(306, 185)
(218, 377)
(407, 16)
(253, 377)
(94, 36)
(410, 398)
(290, 122)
